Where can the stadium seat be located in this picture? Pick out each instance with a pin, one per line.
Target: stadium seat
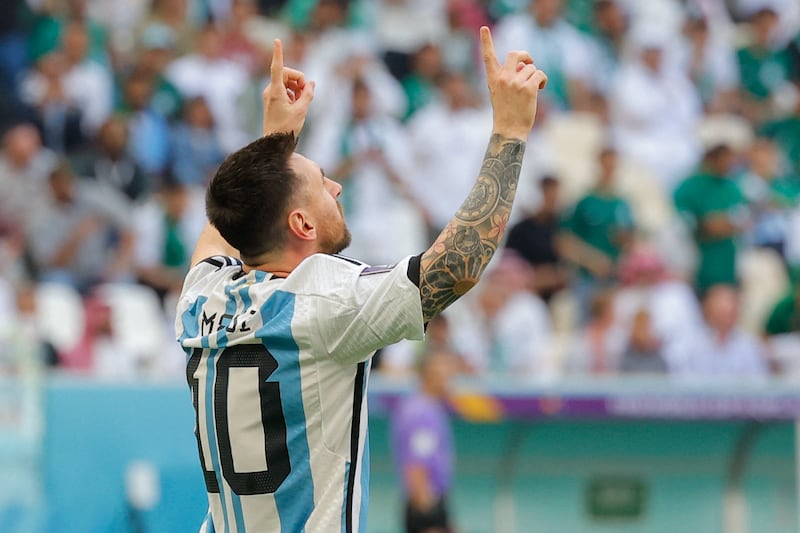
(60, 315)
(137, 318)
(652, 208)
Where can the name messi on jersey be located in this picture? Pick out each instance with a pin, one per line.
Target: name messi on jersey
(228, 322)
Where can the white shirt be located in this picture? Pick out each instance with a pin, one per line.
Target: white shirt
(220, 82)
(704, 355)
(448, 148)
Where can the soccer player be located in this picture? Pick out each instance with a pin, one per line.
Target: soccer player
(279, 330)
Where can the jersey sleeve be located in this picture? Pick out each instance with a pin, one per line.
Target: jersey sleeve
(353, 309)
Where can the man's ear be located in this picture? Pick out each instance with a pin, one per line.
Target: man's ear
(301, 226)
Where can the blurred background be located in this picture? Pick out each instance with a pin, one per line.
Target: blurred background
(631, 360)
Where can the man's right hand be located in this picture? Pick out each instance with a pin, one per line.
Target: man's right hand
(286, 98)
(513, 88)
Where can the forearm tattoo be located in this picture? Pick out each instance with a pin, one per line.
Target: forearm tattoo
(460, 254)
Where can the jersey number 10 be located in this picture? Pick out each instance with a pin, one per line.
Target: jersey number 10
(271, 417)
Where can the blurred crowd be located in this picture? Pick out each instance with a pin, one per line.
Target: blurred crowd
(657, 224)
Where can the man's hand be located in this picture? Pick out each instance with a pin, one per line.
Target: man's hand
(286, 98)
(513, 89)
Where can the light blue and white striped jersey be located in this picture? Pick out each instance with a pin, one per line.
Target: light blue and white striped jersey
(278, 370)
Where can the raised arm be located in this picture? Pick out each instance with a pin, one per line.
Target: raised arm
(458, 257)
(286, 99)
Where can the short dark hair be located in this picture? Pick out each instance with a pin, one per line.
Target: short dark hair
(248, 197)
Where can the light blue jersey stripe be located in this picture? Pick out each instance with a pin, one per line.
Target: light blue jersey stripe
(364, 460)
(189, 319)
(344, 499)
(295, 497)
(231, 308)
(211, 369)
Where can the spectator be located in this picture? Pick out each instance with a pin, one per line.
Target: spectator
(420, 83)
(196, 149)
(560, 50)
(785, 132)
(422, 443)
(772, 196)
(762, 64)
(671, 306)
(109, 162)
(82, 237)
(148, 129)
(370, 156)
(504, 328)
(206, 73)
(533, 239)
(166, 228)
(51, 22)
(711, 64)
(611, 22)
(719, 349)
(655, 109)
(172, 17)
(452, 124)
(643, 353)
(713, 206)
(24, 169)
(785, 316)
(58, 117)
(400, 358)
(87, 84)
(596, 232)
(155, 54)
(597, 349)
(403, 27)
(237, 46)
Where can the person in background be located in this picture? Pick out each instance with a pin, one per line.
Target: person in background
(655, 108)
(505, 329)
(596, 232)
(533, 239)
(371, 163)
(648, 287)
(763, 66)
(713, 206)
(771, 194)
(166, 227)
(422, 443)
(711, 63)
(560, 49)
(155, 53)
(237, 45)
(24, 169)
(82, 238)
(196, 151)
(420, 82)
(448, 125)
(597, 349)
(719, 349)
(110, 164)
(643, 354)
(148, 129)
(56, 115)
(785, 133)
(207, 73)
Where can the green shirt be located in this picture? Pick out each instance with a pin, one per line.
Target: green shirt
(697, 199)
(786, 133)
(599, 220)
(762, 70)
(785, 317)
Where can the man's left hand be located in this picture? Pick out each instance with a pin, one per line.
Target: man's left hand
(286, 97)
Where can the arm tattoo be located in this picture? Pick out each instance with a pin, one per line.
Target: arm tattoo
(460, 254)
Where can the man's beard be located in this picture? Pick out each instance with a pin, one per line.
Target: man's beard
(335, 244)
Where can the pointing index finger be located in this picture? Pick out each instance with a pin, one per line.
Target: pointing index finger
(276, 68)
(487, 49)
